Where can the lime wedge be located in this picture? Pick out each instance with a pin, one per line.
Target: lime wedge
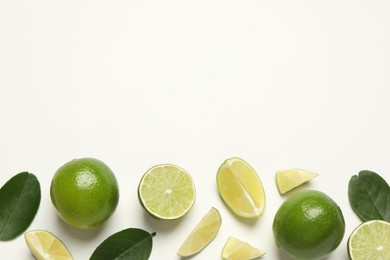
(166, 192)
(241, 188)
(202, 235)
(45, 246)
(370, 240)
(236, 249)
(287, 180)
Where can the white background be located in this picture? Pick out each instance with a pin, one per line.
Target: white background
(280, 83)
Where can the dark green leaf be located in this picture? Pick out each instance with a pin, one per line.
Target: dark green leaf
(369, 196)
(19, 203)
(132, 243)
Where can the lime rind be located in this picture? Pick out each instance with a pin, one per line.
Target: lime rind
(166, 192)
(202, 235)
(370, 240)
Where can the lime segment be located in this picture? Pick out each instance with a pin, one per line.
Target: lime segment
(166, 192)
(370, 240)
(240, 188)
(287, 180)
(236, 249)
(202, 234)
(45, 246)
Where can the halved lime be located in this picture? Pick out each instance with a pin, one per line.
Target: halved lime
(287, 180)
(240, 188)
(202, 234)
(370, 240)
(45, 246)
(236, 249)
(166, 192)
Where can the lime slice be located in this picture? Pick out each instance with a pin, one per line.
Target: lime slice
(45, 246)
(241, 188)
(202, 235)
(236, 249)
(287, 180)
(370, 240)
(166, 192)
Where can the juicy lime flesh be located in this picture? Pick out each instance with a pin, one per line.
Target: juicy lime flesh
(202, 234)
(167, 191)
(45, 246)
(236, 249)
(241, 188)
(370, 240)
(85, 192)
(308, 225)
(287, 180)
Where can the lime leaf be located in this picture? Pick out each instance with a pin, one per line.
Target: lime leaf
(369, 196)
(131, 243)
(19, 203)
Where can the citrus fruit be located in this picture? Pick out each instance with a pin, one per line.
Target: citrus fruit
(308, 225)
(240, 188)
(287, 180)
(166, 192)
(370, 240)
(84, 192)
(45, 246)
(202, 235)
(236, 249)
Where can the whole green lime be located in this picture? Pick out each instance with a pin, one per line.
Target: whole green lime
(84, 192)
(308, 225)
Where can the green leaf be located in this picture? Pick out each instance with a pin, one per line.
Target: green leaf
(369, 196)
(19, 203)
(131, 243)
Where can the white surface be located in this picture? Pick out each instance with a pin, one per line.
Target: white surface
(136, 83)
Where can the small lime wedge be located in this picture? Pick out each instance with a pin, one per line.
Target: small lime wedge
(287, 180)
(240, 188)
(166, 192)
(370, 240)
(236, 249)
(45, 246)
(202, 234)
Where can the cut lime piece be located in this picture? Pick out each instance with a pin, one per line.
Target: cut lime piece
(287, 180)
(236, 249)
(45, 246)
(202, 235)
(240, 188)
(370, 240)
(166, 192)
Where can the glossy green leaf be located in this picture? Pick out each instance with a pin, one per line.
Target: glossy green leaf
(19, 203)
(369, 196)
(130, 244)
